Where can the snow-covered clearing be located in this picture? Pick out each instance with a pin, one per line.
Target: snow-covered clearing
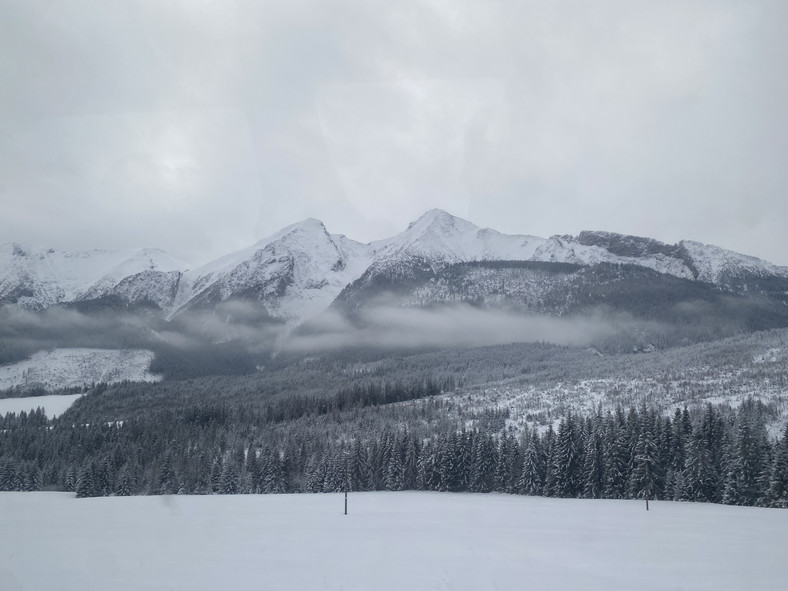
(53, 405)
(66, 368)
(388, 541)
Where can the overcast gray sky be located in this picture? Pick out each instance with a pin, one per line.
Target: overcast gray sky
(202, 126)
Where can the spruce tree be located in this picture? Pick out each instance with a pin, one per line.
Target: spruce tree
(482, 464)
(531, 481)
(742, 482)
(644, 479)
(699, 477)
(778, 483)
(394, 478)
(86, 486)
(592, 475)
(216, 475)
(230, 479)
(550, 488)
(411, 462)
(567, 459)
(168, 483)
(616, 460)
(123, 487)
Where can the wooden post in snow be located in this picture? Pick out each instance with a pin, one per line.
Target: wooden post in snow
(347, 477)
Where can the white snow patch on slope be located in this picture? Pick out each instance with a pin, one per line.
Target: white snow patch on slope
(57, 276)
(53, 405)
(769, 356)
(389, 541)
(712, 262)
(67, 368)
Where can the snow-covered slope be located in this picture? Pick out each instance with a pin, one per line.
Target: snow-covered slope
(66, 368)
(37, 278)
(717, 265)
(295, 273)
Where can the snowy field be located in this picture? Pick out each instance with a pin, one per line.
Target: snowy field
(65, 368)
(389, 541)
(53, 406)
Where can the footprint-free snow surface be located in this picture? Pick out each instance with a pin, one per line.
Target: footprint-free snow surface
(389, 541)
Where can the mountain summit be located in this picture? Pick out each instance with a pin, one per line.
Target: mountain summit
(297, 272)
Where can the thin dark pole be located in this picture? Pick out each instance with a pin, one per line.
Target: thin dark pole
(347, 478)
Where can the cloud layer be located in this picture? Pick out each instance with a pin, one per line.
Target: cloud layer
(453, 326)
(200, 127)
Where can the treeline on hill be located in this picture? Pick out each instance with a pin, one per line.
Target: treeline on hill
(521, 366)
(713, 455)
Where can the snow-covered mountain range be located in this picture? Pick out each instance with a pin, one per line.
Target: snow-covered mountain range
(298, 272)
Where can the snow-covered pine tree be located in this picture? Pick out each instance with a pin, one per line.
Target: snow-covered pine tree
(699, 476)
(567, 459)
(428, 473)
(742, 481)
(123, 485)
(230, 478)
(411, 462)
(483, 461)
(394, 477)
(86, 486)
(216, 475)
(616, 459)
(508, 465)
(778, 483)
(644, 481)
(592, 475)
(550, 475)
(531, 481)
(168, 481)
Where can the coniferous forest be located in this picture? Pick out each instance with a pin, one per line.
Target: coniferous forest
(717, 454)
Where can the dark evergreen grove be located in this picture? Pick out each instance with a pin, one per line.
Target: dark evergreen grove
(365, 443)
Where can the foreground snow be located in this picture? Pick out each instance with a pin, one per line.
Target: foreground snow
(388, 541)
(66, 368)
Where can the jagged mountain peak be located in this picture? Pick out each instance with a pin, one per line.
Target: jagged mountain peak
(294, 273)
(155, 259)
(440, 219)
(440, 237)
(309, 227)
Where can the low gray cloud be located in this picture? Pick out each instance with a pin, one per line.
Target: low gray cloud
(450, 326)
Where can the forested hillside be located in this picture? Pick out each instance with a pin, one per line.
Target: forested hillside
(703, 422)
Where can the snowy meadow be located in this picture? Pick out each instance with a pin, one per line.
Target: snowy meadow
(388, 541)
